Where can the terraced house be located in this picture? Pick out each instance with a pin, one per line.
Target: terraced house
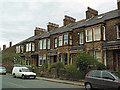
(96, 34)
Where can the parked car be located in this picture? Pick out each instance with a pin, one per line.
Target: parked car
(102, 79)
(23, 72)
(3, 70)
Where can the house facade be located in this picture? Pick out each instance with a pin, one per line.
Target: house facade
(96, 34)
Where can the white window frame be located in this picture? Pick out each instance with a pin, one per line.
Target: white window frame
(98, 58)
(81, 38)
(44, 44)
(97, 31)
(29, 49)
(40, 60)
(118, 31)
(22, 49)
(89, 29)
(70, 39)
(26, 47)
(55, 42)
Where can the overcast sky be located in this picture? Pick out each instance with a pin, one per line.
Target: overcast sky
(18, 18)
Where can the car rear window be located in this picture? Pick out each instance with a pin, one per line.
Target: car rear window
(116, 74)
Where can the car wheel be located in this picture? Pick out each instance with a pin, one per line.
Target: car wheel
(14, 75)
(88, 86)
(23, 77)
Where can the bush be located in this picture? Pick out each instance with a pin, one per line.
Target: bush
(101, 66)
(33, 66)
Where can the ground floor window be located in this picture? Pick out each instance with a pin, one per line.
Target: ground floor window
(71, 59)
(42, 60)
(104, 58)
(98, 56)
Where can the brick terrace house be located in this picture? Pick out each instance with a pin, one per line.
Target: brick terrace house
(97, 34)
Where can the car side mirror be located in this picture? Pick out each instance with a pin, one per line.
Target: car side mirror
(20, 70)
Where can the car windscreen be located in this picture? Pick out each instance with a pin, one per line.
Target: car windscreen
(116, 74)
(25, 70)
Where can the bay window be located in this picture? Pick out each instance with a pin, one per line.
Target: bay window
(26, 47)
(88, 35)
(60, 40)
(42, 59)
(65, 39)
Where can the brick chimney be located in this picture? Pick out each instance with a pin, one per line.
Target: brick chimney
(52, 26)
(10, 44)
(67, 20)
(91, 13)
(39, 30)
(118, 4)
(4, 47)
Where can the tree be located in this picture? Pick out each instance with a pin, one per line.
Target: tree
(85, 61)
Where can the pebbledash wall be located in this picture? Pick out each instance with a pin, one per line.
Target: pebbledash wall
(97, 34)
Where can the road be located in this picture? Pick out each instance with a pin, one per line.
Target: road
(9, 82)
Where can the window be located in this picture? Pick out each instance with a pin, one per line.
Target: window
(60, 40)
(97, 74)
(44, 44)
(118, 31)
(33, 47)
(42, 59)
(88, 35)
(96, 33)
(107, 75)
(98, 55)
(70, 60)
(70, 39)
(55, 42)
(48, 58)
(17, 49)
(48, 44)
(81, 37)
(65, 39)
(41, 47)
(103, 31)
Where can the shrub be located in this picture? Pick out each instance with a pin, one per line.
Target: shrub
(33, 66)
(101, 66)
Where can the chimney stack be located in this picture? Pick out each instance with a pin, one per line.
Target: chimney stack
(118, 4)
(10, 44)
(4, 47)
(91, 13)
(67, 20)
(39, 31)
(52, 26)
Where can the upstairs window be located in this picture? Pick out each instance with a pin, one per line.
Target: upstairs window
(96, 31)
(88, 35)
(65, 39)
(81, 37)
(70, 39)
(29, 49)
(33, 47)
(41, 46)
(44, 44)
(55, 40)
(17, 49)
(118, 31)
(103, 31)
(48, 44)
(60, 40)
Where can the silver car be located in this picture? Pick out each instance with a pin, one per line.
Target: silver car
(3, 70)
(102, 79)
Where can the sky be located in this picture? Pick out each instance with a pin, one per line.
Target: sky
(18, 18)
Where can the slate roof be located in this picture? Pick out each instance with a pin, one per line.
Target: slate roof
(83, 23)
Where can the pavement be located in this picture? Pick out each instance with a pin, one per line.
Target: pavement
(79, 83)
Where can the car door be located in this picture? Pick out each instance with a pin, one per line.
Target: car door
(96, 79)
(108, 81)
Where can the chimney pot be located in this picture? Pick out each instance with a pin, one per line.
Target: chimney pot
(10, 44)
